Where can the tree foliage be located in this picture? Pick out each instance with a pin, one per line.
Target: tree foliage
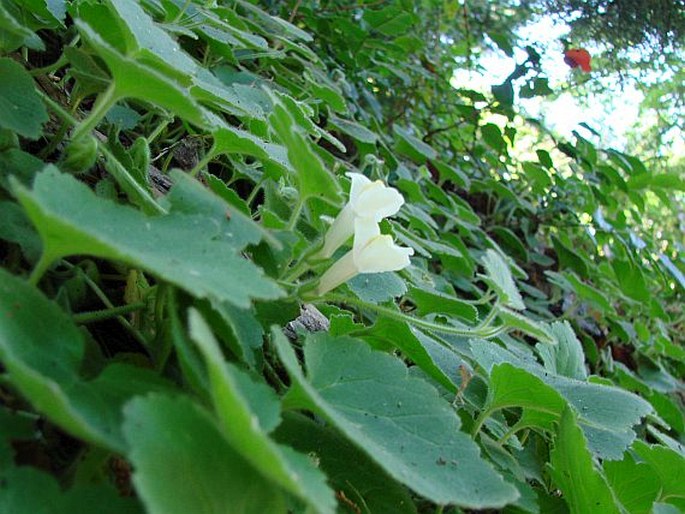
(625, 24)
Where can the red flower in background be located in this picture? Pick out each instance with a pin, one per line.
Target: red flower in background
(575, 57)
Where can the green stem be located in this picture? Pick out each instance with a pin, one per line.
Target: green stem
(489, 295)
(296, 272)
(93, 316)
(254, 192)
(294, 218)
(55, 141)
(181, 12)
(508, 434)
(41, 267)
(158, 129)
(467, 332)
(490, 317)
(58, 109)
(480, 420)
(303, 264)
(165, 343)
(62, 61)
(202, 164)
(103, 104)
(104, 299)
(123, 177)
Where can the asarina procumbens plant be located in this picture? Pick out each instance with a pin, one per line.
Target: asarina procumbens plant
(372, 252)
(371, 201)
(166, 168)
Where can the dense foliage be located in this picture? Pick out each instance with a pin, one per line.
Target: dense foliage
(169, 170)
(624, 24)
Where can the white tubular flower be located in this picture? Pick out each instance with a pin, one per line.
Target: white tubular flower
(369, 200)
(372, 252)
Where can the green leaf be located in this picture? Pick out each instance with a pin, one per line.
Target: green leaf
(13, 427)
(569, 258)
(90, 76)
(349, 469)
(668, 180)
(193, 250)
(203, 474)
(502, 41)
(587, 292)
(13, 34)
(665, 508)
(399, 421)
(228, 139)
(668, 465)
(313, 179)
(504, 93)
(631, 280)
(377, 287)
(18, 229)
(147, 39)
(248, 411)
(413, 147)
(517, 321)
(432, 302)
(514, 387)
(391, 20)
(535, 87)
(357, 131)
(133, 79)
(123, 117)
(510, 241)
(635, 484)
(493, 137)
(240, 330)
(139, 194)
(673, 270)
(606, 414)
(323, 88)
(498, 276)
(565, 358)
(21, 109)
(584, 488)
(413, 344)
(450, 173)
(275, 24)
(189, 196)
(26, 490)
(43, 358)
(538, 175)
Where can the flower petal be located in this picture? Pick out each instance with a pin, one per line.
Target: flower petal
(378, 202)
(365, 229)
(381, 254)
(359, 182)
(373, 199)
(339, 232)
(341, 271)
